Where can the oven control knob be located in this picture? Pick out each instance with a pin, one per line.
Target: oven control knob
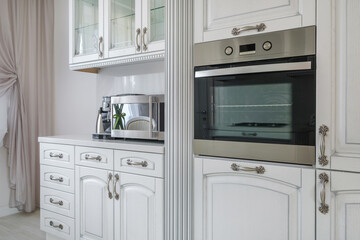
(267, 45)
(228, 50)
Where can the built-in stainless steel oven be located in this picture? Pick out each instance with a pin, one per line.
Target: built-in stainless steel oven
(255, 97)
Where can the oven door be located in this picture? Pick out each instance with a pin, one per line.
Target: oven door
(262, 110)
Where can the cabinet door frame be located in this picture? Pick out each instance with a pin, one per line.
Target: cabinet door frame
(146, 22)
(341, 188)
(101, 174)
(331, 88)
(152, 184)
(90, 57)
(111, 53)
(287, 18)
(303, 178)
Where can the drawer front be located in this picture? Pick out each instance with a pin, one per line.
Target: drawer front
(57, 178)
(94, 157)
(58, 225)
(57, 201)
(57, 155)
(149, 164)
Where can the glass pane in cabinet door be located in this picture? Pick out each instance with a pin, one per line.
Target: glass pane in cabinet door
(157, 20)
(122, 23)
(86, 26)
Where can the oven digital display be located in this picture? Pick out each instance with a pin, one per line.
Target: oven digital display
(247, 49)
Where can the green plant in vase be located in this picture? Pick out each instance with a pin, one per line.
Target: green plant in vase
(119, 117)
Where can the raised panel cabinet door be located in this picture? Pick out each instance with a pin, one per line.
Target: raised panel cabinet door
(139, 207)
(338, 205)
(122, 21)
(94, 204)
(216, 20)
(86, 30)
(338, 84)
(153, 25)
(251, 202)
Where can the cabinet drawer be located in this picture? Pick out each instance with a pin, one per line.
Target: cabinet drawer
(57, 178)
(57, 201)
(57, 155)
(58, 225)
(283, 173)
(149, 164)
(94, 157)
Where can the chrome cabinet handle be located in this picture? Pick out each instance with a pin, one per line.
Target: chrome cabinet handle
(100, 42)
(324, 179)
(137, 40)
(108, 186)
(54, 155)
(145, 48)
(97, 158)
(117, 196)
(249, 134)
(60, 226)
(132, 163)
(323, 158)
(60, 203)
(259, 170)
(236, 31)
(60, 179)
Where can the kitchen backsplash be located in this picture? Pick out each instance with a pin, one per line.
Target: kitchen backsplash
(146, 78)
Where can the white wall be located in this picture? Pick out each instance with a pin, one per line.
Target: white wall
(77, 95)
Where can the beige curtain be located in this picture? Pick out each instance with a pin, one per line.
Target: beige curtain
(26, 69)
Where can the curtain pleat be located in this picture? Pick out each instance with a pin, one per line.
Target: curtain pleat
(26, 73)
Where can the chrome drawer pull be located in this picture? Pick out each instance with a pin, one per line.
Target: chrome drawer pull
(97, 158)
(259, 170)
(108, 186)
(117, 196)
(145, 48)
(60, 203)
(324, 179)
(54, 155)
(60, 226)
(323, 158)
(132, 163)
(60, 179)
(137, 40)
(236, 31)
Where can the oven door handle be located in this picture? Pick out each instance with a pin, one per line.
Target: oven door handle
(276, 67)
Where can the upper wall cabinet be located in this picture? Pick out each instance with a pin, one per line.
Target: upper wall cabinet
(107, 32)
(338, 112)
(216, 20)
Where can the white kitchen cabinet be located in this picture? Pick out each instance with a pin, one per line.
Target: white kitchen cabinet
(108, 32)
(214, 20)
(338, 84)
(338, 205)
(94, 204)
(138, 207)
(252, 200)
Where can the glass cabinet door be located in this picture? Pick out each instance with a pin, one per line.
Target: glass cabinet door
(124, 24)
(153, 25)
(87, 29)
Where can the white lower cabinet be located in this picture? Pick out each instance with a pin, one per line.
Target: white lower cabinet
(138, 207)
(254, 201)
(118, 205)
(338, 205)
(94, 204)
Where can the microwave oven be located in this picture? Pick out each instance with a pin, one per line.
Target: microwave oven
(138, 116)
(255, 97)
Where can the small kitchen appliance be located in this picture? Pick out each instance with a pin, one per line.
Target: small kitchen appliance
(255, 97)
(103, 121)
(138, 116)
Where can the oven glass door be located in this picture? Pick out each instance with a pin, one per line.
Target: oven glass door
(263, 101)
